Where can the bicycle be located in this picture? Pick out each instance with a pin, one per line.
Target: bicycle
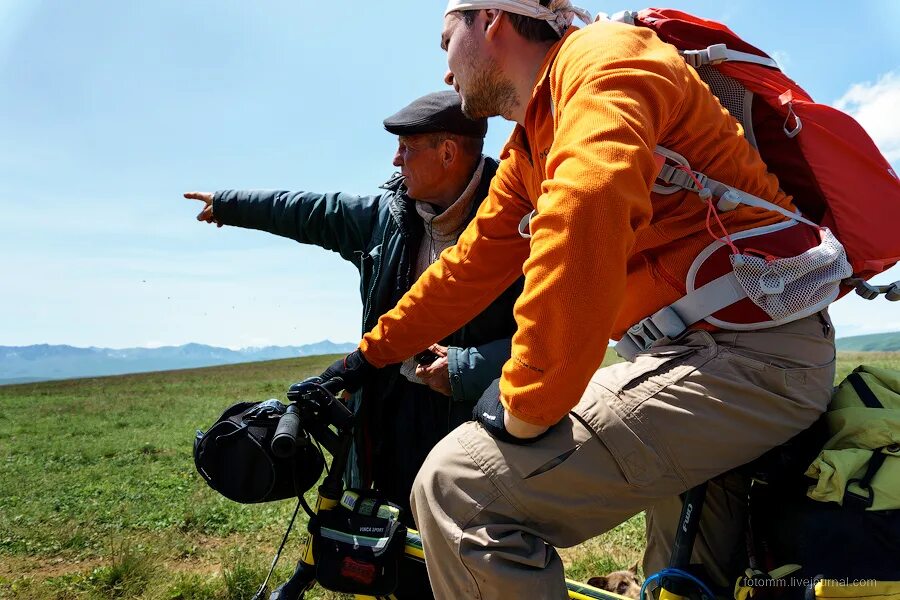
(314, 411)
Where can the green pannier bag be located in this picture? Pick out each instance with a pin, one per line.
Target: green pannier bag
(838, 528)
(859, 466)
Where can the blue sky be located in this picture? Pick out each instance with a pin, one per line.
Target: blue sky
(110, 110)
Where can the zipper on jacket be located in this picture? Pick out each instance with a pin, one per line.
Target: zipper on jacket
(364, 260)
(375, 275)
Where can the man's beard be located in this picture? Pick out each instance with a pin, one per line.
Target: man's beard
(489, 94)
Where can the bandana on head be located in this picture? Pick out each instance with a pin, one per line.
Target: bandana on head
(559, 14)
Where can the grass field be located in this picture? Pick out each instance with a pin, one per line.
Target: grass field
(99, 498)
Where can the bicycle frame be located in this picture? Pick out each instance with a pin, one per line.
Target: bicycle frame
(318, 411)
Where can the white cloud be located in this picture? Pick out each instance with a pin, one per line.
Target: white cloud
(875, 106)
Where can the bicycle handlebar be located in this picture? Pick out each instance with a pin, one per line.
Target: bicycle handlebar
(313, 409)
(284, 442)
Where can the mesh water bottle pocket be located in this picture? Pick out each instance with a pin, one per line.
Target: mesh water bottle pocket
(791, 288)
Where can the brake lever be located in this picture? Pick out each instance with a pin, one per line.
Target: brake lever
(333, 385)
(314, 396)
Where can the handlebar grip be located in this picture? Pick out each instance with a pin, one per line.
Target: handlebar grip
(284, 442)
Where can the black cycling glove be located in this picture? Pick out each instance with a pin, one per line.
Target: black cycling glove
(489, 412)
(354, 369)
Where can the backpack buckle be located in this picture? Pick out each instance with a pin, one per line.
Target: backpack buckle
(717, 53)
(640, 337)
(869, 291)
(673, 173)
(713, 55)
(645, 333)
(855, 501)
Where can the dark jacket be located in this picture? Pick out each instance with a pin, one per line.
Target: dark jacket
(380, 235)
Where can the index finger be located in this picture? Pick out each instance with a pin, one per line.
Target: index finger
(203, 196)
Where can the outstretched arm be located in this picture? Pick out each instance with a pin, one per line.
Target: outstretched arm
(335, 221)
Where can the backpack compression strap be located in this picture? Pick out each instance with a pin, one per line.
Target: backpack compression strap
(675, 175)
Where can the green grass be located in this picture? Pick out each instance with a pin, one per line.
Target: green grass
(99, 497)
(847, 361)
(91, 467)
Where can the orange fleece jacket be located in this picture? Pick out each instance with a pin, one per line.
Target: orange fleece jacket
(605, 252)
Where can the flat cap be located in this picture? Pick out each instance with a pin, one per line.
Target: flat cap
(434, 113)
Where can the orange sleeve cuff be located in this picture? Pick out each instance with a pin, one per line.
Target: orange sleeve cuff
(369, 354)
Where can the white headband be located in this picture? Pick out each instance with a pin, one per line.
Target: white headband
(559, 14)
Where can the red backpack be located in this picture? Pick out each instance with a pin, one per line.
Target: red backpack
(821, 156)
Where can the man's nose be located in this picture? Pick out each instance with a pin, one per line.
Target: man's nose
(448, 78)
(398, 159)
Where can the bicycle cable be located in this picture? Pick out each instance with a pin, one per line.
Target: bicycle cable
(262, 588)
(319, 446)
(677, 573)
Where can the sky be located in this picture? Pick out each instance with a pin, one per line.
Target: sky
(109, 111)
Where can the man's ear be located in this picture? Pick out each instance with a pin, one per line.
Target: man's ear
(449, 152)
(492, 22)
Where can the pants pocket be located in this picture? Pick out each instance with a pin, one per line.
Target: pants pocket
(630, 444)
(530, 461)
(631, 383)
(616, 393)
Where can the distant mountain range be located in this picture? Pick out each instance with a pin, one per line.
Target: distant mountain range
(878, 342)
(22, 364)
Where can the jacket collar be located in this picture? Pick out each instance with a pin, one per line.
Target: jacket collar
(518, 138)
(549, 59)
(402, 207)
(395, 183)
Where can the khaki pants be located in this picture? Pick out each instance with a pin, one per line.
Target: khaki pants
(491, 513)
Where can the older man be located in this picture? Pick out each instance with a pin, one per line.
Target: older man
(562, 450)
(392, 237)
